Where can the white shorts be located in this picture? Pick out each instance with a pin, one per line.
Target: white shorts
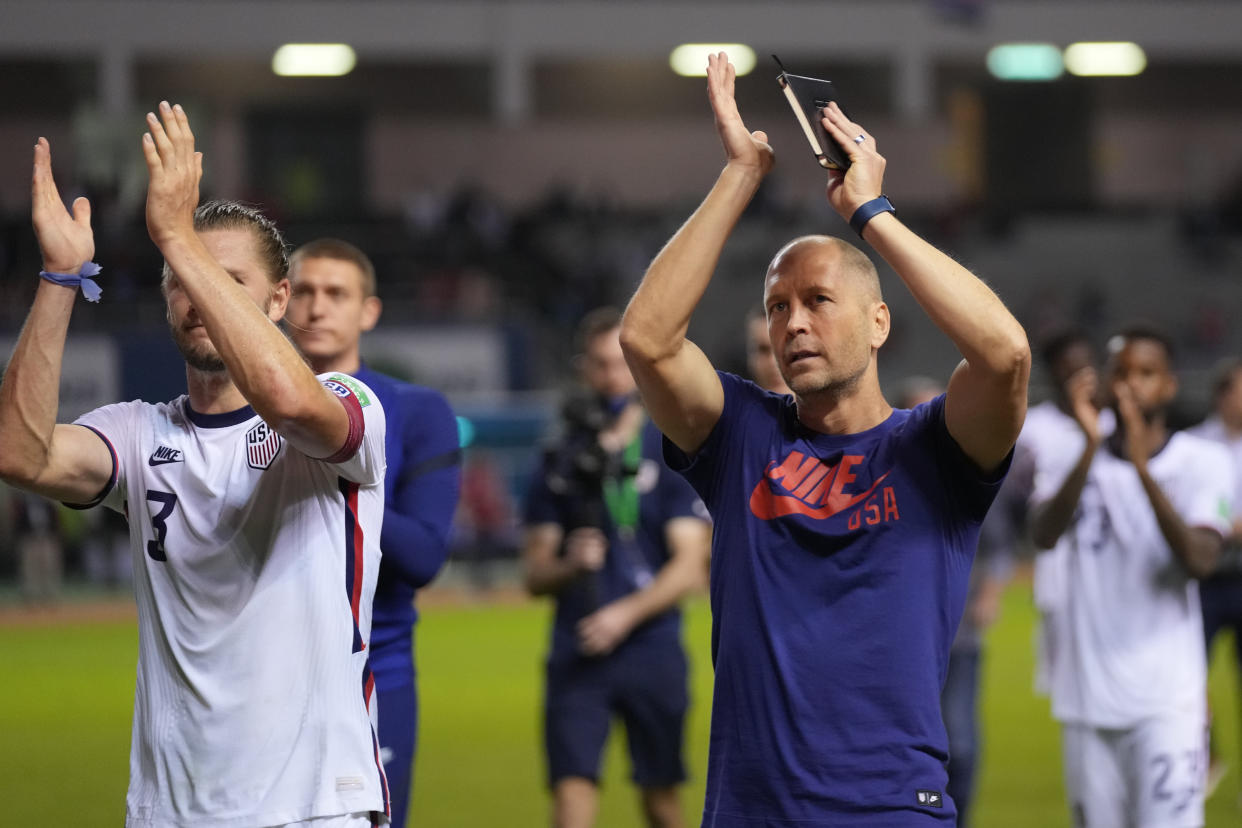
(364, 819)
(1151, 775)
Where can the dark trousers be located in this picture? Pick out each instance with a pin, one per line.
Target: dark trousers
(960, 710)
(1221, 597)
(398, 732)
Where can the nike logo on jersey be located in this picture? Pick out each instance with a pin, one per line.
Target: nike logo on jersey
(163, 455)
(803, 485)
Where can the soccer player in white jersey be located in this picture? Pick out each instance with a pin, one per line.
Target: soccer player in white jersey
(1221, 594)
(1144, 510)
(1070, 363)
(254, 503)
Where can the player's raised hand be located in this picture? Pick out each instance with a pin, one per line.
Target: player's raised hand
(1081, 390)
(65, 241)
(743, 148)
(175, 170)
(864, 180)
(1133, 424)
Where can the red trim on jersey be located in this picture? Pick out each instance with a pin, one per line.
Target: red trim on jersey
(354, 556)
(368, 688)
(357, 426)
(379, 765)
(355, 599)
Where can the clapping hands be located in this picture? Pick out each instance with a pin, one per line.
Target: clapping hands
(749, 150)
(175, 171)
(66, 241)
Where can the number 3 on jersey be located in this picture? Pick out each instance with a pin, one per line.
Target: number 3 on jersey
(168, 502)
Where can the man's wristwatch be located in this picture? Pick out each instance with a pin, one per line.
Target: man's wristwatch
(869, 210)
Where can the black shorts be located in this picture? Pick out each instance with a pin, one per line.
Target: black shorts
(1221, 599)
(645, 685)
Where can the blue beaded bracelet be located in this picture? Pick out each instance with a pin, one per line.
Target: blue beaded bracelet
(90, 290)
(870, 210)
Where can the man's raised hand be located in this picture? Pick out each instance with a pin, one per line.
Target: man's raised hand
(1136, 429)
(864, 180)
(743, 148)
(65, 241)
(175, 170)
(1080, 390)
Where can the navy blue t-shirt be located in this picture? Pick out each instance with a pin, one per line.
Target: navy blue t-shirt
(628, 566)
(839, 574)
(421, 488)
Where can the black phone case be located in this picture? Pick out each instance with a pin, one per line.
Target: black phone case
(812, 95)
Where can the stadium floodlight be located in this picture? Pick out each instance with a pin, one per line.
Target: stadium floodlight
(1025, 62)
(690, 59)
(1105, 59)
(323, 60)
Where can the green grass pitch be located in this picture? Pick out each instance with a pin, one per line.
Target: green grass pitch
(67, 695)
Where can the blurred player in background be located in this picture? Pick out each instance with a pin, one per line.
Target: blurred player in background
(618, 539)
(831, 509)
(1145, 510)
(999, 538)
(1221, 593)
(1071, 365)
(254, 504)
(333, 302)
(759, 356)
(40, 554)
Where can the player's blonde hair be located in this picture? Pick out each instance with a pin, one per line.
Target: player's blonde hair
(234, 215)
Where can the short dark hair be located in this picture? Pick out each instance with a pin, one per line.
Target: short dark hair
(1143, 331)
(329, 248)
(596, 323)
(1224, 374)
(234, 215)
(1055, 346)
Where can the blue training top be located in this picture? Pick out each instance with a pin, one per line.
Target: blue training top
(662, 496)
(839, 573)
(421, 488)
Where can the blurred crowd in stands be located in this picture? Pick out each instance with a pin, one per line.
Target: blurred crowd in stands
(464, 258)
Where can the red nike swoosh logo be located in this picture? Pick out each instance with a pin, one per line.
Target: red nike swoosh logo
(766, 504)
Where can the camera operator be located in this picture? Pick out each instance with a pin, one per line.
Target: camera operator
(618, 539)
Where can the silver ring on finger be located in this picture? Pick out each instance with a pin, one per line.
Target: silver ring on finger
(858, 139)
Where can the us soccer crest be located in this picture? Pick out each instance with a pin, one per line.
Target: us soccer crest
(262, 446)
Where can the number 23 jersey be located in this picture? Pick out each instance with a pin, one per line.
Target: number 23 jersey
(254, 570)
(1131, 612)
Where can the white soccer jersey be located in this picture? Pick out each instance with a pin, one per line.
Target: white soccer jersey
(1047, 434)
(1134, 645)
(254, 569)
(1214, 429)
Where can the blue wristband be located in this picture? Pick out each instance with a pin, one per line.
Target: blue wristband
(870, 210)
(90, 290)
